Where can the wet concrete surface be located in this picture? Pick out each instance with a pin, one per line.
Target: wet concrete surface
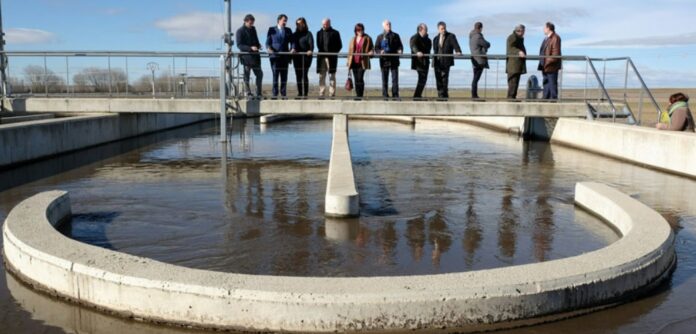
(437, 197)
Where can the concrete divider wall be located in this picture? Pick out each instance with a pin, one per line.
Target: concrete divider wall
(342, 198)
(670, 151)
(28, 141)
(132, 286)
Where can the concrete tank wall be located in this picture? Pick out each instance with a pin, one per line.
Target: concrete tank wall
(28, 141)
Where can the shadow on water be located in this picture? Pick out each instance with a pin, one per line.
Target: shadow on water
(90, 228)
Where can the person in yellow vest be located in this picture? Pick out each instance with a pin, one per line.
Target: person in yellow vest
(677, 117)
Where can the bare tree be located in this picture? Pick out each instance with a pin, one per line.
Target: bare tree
(100, 80)
(41, 79)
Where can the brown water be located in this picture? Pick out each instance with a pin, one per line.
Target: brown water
(437, 197)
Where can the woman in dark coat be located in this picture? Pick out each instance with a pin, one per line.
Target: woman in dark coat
(302, 43)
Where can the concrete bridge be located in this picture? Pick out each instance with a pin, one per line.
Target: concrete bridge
(311, 106)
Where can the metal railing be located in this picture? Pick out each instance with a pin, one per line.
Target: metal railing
(196, 75)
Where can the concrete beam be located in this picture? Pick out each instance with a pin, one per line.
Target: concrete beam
(420, 108)
(329, 107)
(341, 193)
(459, 302)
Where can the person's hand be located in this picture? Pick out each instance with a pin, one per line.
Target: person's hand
(371, 53)
(522, 54)
(270, 51)
(293, 51)
(661, 126)
(381, 52)
(458, 53)
(419, 54)
(309, 53)
(254, 49)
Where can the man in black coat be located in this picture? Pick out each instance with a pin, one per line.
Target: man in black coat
(248, 42)
(328, 40)
(445, 43)
(420, 62)
(389, 43)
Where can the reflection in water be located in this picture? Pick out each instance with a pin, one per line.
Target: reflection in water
(269, 219)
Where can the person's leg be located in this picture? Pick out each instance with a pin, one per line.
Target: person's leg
(275, 74)
(299, 79)
(332, 84)
(385, 80)
(322, 81)
(478, 70)
(361, 81)
(422, 77)
(247, 78)
(258, 73)
(284, 79)
(547, 86)
(305, 81)
(438, 82)
(553, 79)
(513, 85)
(445, 81)
(395, 81)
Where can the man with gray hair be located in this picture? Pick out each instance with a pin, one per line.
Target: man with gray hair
(328, 40)
(420, 62)
(388, 45)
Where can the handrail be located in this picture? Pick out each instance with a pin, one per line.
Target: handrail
(604, 89)
(645, 88)
(205, 54)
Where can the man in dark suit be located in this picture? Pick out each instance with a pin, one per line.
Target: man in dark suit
(278, 40)
(329, 41)
(548, 65)
(389, 43)
(248, 42)
(420, 62)
(445, 43)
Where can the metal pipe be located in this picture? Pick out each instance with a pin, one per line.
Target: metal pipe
(45, 76)
(109, 64)
(3, 64)
(127, 80)
(67, 76)
(645, 87)
(223, 102)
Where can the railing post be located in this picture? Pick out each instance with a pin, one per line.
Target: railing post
(586, 75)
(67, 76)
(45, 76)
(108, 59)
(127, 80)
(223, 102)
(497, 79)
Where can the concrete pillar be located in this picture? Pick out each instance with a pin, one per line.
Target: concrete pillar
(539, 128)
(341, 193)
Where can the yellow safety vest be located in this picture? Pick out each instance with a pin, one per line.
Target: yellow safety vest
(666, 116)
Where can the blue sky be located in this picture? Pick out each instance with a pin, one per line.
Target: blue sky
(657, 35)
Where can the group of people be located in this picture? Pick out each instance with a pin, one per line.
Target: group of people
(285, 46)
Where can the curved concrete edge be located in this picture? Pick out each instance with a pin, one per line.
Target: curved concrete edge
(151, 290)
(667, 151)
(341, 192)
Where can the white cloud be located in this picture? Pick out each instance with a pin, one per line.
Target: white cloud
(596, 23)
(203, 26)
(29, 36)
